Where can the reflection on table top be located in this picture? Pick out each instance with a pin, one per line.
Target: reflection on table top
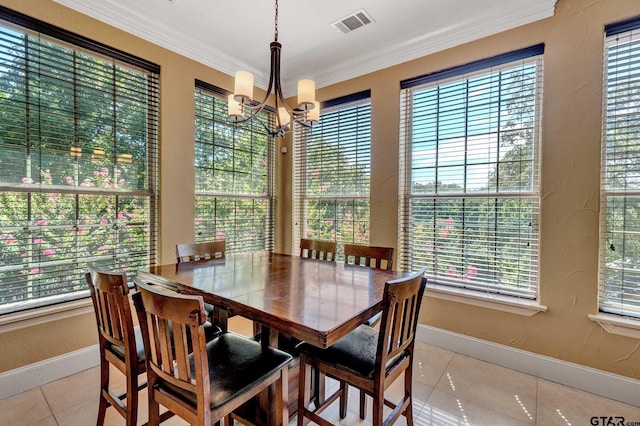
(313, 300)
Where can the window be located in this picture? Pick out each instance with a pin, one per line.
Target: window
(78, 142)
(469, 174)
(620, 182)
(332, 165)
(234, 189)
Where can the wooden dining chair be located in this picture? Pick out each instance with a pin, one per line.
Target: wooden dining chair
(197, 252)
(119, 341)
(316, 249)
(369, 360)
(206, 385)
(372, 257)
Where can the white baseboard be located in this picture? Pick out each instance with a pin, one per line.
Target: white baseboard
(30, 376)
(608, 385)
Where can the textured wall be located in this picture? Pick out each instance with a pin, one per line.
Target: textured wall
(571, 134)
(570, 167)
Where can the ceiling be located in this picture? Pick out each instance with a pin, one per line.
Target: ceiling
(235, 34)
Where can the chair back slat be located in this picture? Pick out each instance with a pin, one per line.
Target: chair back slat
(154, 342)
(162, 331)
(181, 352)
(103, 312)
(400, 316)
(370, 256)
(407, 320)
(393, 339)
(171, 325)
(201, 251)
(113, 317)
(411, 318)
(316, 249)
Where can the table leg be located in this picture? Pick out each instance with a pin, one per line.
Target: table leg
(221, 318)
(319, 393)
(269, 338)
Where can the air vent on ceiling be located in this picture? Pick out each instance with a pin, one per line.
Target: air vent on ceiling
(353, 22)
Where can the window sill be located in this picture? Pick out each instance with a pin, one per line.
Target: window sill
(32, 317)
(484, 300)
(615, 324)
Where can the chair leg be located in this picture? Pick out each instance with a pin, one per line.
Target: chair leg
(408, 385)
(363, 405)
(378, 410)
(344, 399)
(319, 382)
(154, 408)
(132, 398)
(104, 385)
(304, 390)
(282, 398)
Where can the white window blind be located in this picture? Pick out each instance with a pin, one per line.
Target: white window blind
(620, 181)
(332, 167)
(78, 162)
(234, 171)
(470, 174)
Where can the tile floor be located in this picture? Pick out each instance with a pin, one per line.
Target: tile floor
(449, 389)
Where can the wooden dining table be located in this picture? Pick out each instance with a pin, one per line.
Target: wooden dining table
(312, 300)
(315, 301)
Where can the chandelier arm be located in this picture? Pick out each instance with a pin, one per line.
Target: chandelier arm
(304, 123)
(278, 84)
(278, 95)
(254, 112)
(296, 114)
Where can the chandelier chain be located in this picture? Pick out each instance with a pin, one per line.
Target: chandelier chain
(276, 28)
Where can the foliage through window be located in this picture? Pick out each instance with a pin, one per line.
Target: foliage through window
(620, 182)
(77, 164)
(234, 175)
(470, 179)
(332, 172)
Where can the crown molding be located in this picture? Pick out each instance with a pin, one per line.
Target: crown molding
(112, 13)
(147, 29)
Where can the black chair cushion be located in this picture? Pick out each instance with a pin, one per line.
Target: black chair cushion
(211, 331)
(119, 350)
(236, 364)
(355, 352)
(286, 343)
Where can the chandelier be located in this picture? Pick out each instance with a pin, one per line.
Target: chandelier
(306, 113)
